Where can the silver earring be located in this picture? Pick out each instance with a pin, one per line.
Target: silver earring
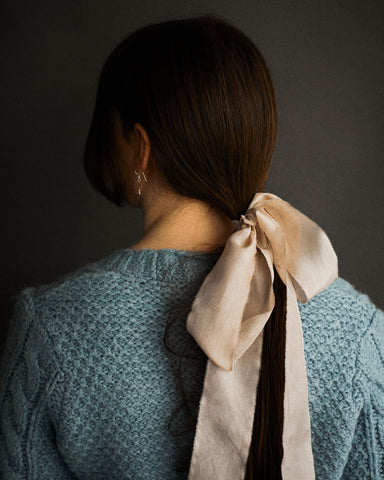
(138, 176)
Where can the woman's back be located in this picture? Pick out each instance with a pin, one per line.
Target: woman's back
(88, 385)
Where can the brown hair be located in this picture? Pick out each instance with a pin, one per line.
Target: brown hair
(203, 93)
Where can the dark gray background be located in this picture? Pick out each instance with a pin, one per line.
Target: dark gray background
(326, 59)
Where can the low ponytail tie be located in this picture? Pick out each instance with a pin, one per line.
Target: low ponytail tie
(227, 319)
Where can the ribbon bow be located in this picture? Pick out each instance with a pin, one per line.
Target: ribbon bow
(227, 319)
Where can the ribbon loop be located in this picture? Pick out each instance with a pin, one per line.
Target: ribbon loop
(227, 319)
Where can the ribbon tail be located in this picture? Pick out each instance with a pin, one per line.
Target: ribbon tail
(297, 463)
(225, 420)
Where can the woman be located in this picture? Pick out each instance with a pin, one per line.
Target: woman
(104, 373)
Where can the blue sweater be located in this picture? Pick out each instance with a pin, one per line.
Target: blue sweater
(88, 388)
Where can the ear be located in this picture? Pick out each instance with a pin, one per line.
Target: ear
(144, 147)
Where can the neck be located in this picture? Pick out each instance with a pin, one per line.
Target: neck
(181, 223)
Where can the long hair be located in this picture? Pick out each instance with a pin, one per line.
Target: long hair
(203, 93)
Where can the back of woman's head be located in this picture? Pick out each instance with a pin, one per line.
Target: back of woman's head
(203, 93)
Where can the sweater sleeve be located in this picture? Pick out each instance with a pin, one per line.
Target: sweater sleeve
(30, 397)
(366, 458)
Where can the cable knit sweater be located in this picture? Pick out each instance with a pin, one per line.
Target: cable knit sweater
(88, 388)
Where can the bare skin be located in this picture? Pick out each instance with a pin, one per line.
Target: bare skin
(170, 220)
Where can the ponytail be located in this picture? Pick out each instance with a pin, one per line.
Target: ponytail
(266, 450)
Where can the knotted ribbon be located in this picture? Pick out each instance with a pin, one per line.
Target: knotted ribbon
(227, 319)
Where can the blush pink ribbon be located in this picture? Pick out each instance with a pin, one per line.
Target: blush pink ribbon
(227, 319)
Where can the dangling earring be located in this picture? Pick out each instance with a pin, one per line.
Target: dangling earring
(138, 175)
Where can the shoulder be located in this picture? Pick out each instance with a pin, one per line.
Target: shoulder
(339, 308)
(336, 324)
(92, 286)
(344, 334)
(69, 312)
(342, 294)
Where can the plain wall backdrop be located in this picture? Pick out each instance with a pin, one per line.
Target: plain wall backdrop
(326, 59)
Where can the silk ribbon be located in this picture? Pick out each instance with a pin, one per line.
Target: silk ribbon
(227, 319)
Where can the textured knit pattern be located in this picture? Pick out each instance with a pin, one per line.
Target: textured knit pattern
(87, 386)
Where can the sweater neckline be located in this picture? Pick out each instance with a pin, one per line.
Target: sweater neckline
(175, 251)
(165, 264)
